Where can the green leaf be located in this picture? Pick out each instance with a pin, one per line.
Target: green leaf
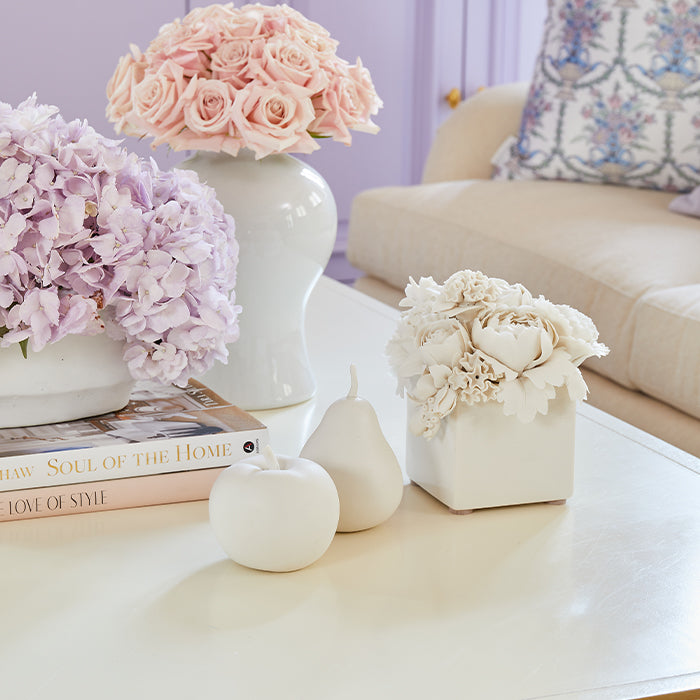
(22, 343)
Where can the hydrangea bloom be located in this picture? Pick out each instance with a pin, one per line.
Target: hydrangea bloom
(222, 78)
(93, 238)
(477, 338)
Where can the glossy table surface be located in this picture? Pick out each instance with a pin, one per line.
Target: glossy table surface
(597, 599)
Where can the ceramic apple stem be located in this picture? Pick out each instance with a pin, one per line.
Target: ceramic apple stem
(271, 461)
(352, 394)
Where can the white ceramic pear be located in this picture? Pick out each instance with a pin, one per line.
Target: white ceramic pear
(349, 444)
(274, 513)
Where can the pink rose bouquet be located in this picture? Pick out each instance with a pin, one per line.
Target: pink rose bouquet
(94, 239)
(258, 77)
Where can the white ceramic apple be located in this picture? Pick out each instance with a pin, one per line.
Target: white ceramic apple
(274, 513)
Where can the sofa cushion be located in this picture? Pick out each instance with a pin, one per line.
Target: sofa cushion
(614, 97)
(665, 354)
(600, 249)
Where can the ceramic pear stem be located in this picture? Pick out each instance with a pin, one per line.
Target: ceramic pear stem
(352, 394)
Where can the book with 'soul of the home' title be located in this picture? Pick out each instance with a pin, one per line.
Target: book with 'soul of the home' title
(168, 444)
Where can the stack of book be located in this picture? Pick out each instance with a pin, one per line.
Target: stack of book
(167, 445)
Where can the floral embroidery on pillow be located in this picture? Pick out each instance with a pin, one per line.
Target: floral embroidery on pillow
(615, 97)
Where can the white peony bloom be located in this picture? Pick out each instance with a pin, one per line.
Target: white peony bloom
(420, 294)
(577, 333)
(516, 337)
(443, 342)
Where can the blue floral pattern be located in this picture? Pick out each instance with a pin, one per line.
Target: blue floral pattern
(579, 40)
(674, 41)
(615, 97)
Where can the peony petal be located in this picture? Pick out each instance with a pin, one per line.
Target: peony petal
(521, 398)
(440, 374)
(514, 346)
(555, 372)
(424, 388)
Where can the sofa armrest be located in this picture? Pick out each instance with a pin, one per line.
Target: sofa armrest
(467, 140)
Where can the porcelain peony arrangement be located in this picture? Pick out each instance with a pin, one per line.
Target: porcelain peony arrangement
(476, 339)
(94, 239)
(257, 77)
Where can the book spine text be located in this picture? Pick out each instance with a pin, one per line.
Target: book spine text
(110, 494)
(123, 460)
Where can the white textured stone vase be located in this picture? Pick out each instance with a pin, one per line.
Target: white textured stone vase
(77, 377)
(286, 223)
(481, 458)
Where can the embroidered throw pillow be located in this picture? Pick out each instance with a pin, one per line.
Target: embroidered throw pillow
(615, 97)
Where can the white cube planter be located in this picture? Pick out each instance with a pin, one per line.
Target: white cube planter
(481, 458)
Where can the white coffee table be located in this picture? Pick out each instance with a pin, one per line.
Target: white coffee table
(597, 599)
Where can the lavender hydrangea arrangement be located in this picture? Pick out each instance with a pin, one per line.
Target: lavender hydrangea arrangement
(94, 239)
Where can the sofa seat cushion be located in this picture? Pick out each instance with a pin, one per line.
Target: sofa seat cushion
(599, 248)
(665, 354)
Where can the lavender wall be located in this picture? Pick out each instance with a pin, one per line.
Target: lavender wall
(466, 44)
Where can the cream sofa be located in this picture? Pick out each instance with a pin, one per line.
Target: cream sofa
(615, 253)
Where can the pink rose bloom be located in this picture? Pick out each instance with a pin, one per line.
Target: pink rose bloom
(211, 15)
(297, 24)
(187, 45)
(156, 99)
(321, 44)
(275, 19)
(292, 61)
(348, 103)
(209, 107)
(230, 62)
(188, 141)
(247, 24)
(218, 24)
(329, 121)
(274, 118)
(364, 97)
(130, 71)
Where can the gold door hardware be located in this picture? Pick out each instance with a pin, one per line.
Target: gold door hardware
(454, 97)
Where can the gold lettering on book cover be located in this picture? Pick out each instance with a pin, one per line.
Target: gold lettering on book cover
(11, 474)
(70, 466)
(114, 462)
(152, 457)
(188, 453)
